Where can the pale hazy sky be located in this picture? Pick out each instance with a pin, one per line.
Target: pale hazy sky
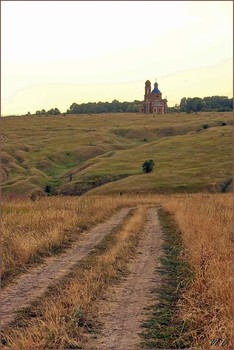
(55, 53)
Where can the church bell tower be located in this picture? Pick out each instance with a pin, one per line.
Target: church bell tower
(147, 88)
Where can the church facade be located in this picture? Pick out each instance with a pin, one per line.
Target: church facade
(153, 102)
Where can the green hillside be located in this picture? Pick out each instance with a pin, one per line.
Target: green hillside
(104, 153)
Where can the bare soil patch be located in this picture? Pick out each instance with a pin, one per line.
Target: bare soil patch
(30, 286)
(124, 307)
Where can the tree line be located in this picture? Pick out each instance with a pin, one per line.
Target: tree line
(211, 103)
(52, 111)
(188, 105)
(96, 107)
(104, 107)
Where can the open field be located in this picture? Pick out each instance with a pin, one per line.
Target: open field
(67, 316)
(103, 154)
(88, 266)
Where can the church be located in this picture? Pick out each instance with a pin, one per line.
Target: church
(153, 102)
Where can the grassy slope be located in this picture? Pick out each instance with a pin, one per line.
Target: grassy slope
(105, 148)
(189, 162)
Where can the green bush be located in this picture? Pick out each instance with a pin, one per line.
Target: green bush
(205, 126)
(49, 190)
(222, 123)
(148, 166)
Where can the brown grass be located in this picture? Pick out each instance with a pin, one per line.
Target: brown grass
(60, 322)
(33, 229)
(205, 221)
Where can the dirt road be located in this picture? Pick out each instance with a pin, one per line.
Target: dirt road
(123, 308)
(32, 285)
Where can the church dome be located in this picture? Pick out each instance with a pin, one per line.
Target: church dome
(156, 91)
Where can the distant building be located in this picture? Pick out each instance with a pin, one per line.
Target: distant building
(153, 102)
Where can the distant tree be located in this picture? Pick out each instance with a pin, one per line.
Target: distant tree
(42, 112)
(104, 107)
(115, 106)
(130, 108)
(53, 111)
(217, 102)
(57, 111)
(197, 104)
(183, 104)
(174, 109)
(148, 166)
(188, 105)
(230, 103)
(209, 103)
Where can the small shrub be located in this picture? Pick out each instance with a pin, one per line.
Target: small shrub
(49, 189)
(221, 123)
(148, 166)
(205, 126)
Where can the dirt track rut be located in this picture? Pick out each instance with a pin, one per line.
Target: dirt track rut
(122, 310)
(32, 285)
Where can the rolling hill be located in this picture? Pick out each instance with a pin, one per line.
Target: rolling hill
(103, 154)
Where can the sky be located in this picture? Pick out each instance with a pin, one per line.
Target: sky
(55, 53)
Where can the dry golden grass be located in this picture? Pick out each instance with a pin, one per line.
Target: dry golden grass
(205, 221)
(32, 229)
(60, 322)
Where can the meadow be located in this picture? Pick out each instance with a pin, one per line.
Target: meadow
(33, 229)
(103, 154)
(93, 165)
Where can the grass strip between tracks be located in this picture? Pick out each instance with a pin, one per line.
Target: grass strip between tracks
(164, 329)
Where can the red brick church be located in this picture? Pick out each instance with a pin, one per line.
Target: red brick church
(153, 102)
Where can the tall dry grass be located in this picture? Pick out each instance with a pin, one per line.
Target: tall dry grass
(60, 321)
(205, 222)
(33, 229)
